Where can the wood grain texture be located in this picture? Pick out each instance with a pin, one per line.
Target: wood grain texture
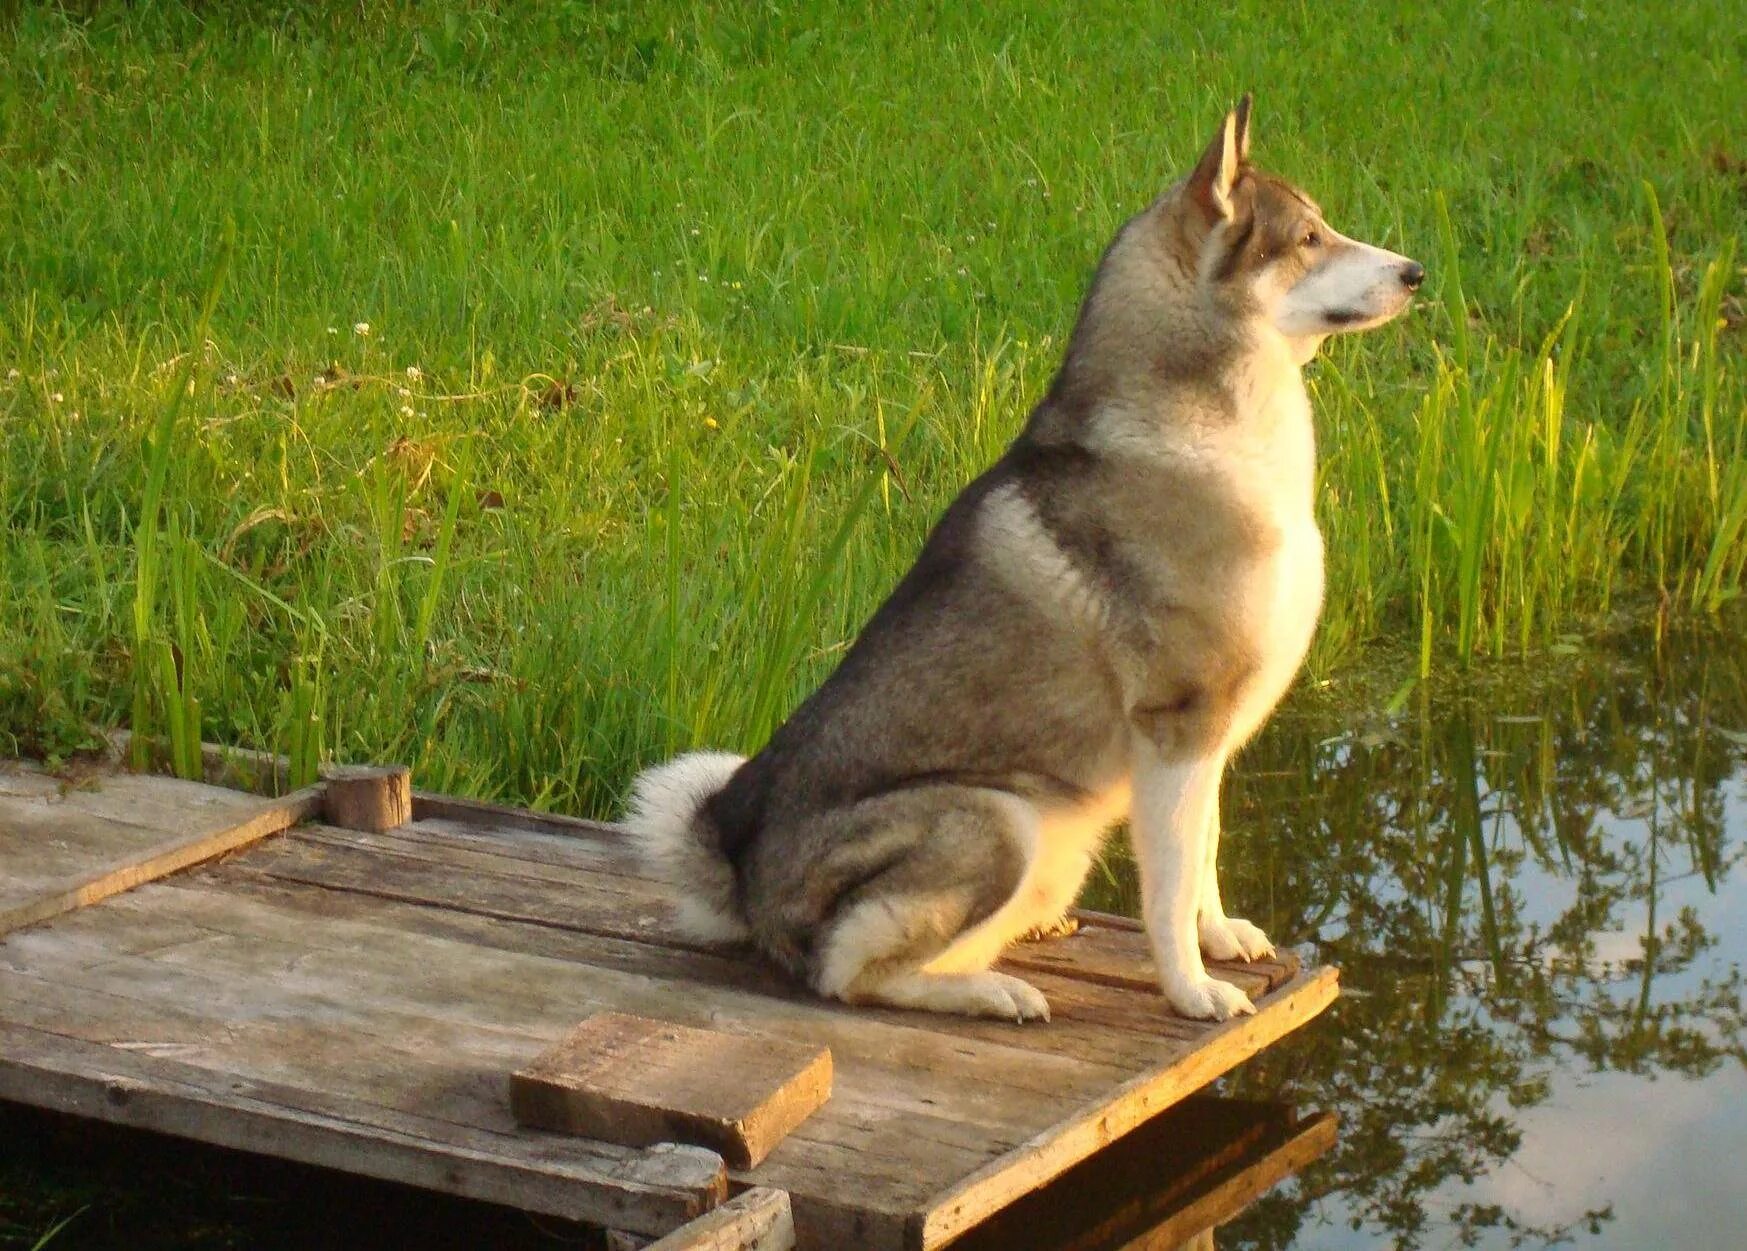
(64, 846)
(367, 797)
(407, 973)
(636, 1081)
(642, 1190)
(1127, 1106)
(759, 1219)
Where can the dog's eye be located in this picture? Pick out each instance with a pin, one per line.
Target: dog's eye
(1311, 240)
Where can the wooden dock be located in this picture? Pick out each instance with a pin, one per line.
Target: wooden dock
(204, 961)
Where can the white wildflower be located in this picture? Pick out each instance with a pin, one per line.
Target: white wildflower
(361, 329)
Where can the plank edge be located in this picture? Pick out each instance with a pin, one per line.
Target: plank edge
(161, 860)
(1109, 1117)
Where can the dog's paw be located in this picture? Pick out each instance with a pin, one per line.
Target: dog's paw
(1063, 926)
(1218, 940)
(1010, 998)
(1209, 999)
(1254, 943)
(1228, 938)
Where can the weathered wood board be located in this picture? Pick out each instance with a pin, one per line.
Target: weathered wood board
(144, 1086)
(66, 842)
(637, 1081)
(759, 1219)
(380, 988)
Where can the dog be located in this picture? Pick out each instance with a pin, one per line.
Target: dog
(1091, 630)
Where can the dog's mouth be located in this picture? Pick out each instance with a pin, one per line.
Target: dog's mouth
(1347, 319)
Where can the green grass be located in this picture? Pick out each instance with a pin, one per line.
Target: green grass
(683, 323)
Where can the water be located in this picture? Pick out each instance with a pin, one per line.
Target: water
(1536, 896)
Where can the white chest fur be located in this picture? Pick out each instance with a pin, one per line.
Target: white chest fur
(1275, 460)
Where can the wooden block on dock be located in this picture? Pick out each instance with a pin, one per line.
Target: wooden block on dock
(367, 797)
(634, 1081)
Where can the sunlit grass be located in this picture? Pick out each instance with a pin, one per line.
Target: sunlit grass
(579, 381)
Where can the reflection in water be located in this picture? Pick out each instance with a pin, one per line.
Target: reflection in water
(1536, 899)
(1166, 1185)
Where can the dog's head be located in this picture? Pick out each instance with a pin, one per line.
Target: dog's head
(1261, 246)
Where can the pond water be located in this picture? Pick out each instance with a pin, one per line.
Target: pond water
(1537, 900)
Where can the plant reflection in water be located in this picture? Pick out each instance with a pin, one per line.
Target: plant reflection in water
(1535, 895)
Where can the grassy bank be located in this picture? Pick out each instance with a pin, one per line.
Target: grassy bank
(576, 382)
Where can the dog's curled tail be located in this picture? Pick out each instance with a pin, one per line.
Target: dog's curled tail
(665, 817)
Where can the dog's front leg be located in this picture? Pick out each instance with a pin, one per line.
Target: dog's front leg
(1223, 937)
(1175, 798)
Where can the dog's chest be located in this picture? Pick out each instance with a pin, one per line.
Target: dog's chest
(1283, 596)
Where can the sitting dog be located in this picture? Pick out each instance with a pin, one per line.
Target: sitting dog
(1091, 630)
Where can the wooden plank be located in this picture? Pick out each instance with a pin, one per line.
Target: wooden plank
(900, 1134)
(1106, 1033)
(306, 964)
(1107, 948)
(648, 1191)
(1139, 1099)
(235, 768)
(440, 1080)
(418, 863)
(759, 1219)
(67, 850)
(636, 1081)
(427, 806)
(897, 1130)
(1104, 949)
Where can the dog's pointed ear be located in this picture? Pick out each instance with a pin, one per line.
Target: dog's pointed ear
(1216, 173)
(1241, 115)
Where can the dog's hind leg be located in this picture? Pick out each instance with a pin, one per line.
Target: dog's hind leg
(965, 852)
(1038, 908)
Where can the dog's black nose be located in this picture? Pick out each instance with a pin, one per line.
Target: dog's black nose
(1412, 274)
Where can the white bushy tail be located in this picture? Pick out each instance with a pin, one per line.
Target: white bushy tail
(681, 850)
